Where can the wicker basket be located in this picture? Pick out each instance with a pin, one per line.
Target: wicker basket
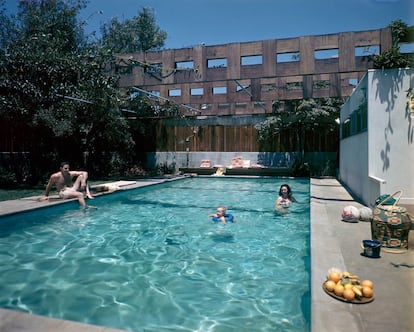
(391, 224)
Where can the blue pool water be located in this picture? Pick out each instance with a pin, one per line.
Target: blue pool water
(150, 259)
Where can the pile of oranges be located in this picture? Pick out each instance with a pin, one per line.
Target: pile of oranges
(348, 286)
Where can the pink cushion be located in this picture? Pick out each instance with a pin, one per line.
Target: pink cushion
(205, 163)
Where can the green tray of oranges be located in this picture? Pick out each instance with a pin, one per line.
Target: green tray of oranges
(347, 287)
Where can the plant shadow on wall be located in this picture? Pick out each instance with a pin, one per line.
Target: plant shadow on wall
(390, 82)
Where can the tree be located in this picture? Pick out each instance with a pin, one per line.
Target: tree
(139, 33)
(57, 98)
(301, 117)
(393, 58)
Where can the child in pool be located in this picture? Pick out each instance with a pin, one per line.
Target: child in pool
(222, 215)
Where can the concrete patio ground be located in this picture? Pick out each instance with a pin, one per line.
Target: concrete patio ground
(334, 243)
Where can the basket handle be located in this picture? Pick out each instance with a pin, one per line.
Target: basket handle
(391, 196)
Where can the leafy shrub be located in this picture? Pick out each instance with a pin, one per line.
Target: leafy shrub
(7, 178)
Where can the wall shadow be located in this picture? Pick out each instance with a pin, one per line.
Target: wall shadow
(389, 83)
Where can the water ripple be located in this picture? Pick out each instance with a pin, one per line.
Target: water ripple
(152, 260)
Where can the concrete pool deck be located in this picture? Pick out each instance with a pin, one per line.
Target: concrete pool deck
(334, 243)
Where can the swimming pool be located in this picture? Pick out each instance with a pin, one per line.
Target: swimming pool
(150, 259)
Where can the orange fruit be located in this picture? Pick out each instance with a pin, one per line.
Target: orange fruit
(348, 294)
(367, 283)
(330, 285)
(334, 276)
(367, 291)
(348, 286)
(339, 290)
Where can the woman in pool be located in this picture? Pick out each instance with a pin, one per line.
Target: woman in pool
(285, 197)
(222, 215)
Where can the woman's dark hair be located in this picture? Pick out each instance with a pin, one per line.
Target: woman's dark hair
(289, 191)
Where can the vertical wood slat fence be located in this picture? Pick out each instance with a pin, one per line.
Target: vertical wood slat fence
(239, 138)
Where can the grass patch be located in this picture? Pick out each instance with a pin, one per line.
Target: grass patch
(16, 193)
(6, 195)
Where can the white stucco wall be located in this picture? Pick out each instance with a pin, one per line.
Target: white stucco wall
(380, 160)
(353, 164)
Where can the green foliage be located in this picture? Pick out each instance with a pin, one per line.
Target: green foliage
(139, 33)
(7, 178)
(399, 31)
(37, 54)
(300, 169)
(393, 58)
(300, 117)
(50, 23)
(57, 97)
(164, 168)
(303, 114)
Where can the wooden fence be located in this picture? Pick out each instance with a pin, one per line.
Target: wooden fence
(239, 138)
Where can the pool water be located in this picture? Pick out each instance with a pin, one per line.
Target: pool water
(150, 259)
